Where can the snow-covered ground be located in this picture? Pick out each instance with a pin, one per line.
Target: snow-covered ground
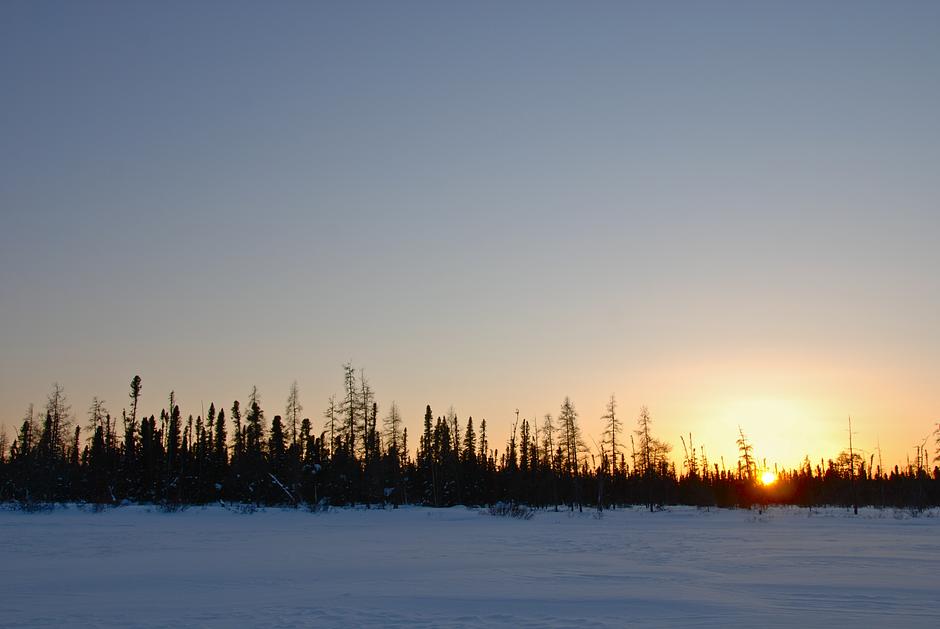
(138, 566)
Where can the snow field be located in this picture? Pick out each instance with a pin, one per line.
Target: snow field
(210, 567)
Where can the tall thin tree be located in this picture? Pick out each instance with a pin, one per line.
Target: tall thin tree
(292, 411)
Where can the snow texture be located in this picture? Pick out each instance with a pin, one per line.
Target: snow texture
(212, 567)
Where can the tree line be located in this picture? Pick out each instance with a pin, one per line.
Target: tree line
(236, 456)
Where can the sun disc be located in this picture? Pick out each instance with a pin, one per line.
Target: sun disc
(768, 478)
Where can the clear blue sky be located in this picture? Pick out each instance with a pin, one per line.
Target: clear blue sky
(726, 211)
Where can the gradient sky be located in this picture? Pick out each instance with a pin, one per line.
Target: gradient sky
(725, 211)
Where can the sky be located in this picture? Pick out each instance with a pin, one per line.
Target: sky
(728, 212)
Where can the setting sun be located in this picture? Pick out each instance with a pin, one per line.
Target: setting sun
(768, 478)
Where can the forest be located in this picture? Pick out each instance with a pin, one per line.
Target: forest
(232, 456)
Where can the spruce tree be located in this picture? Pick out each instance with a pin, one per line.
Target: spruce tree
(238, 449)
(277, 451)
(254, 426)
(131, 429)
(469, 442)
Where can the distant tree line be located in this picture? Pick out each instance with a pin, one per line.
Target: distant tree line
(235, 455)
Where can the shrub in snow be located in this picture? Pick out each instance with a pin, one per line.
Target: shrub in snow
(510, 510)
(322, 506)
(30, 506)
